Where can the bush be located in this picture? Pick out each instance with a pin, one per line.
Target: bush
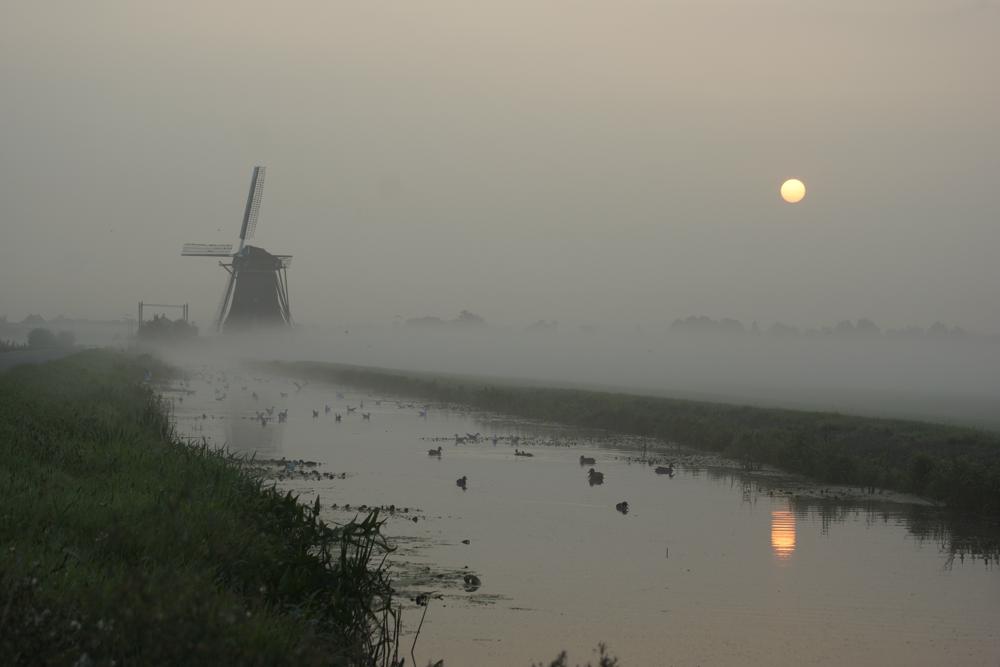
(41, 337)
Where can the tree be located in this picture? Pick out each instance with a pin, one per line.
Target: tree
(41, 337)
(466, 317)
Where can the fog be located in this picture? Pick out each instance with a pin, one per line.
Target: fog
(942, 379)
(608, 165)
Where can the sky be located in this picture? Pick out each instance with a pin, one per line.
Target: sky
(587, 162)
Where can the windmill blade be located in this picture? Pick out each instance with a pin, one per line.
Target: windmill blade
(207, 250)
(253, 205)
(224, 304)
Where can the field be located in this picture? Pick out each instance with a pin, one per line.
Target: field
(956, 466)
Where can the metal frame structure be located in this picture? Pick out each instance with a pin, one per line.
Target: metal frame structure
(143, 305)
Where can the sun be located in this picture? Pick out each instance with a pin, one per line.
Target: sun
(793, 190)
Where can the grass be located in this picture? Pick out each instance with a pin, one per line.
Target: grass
(120, 544)
(957, 466)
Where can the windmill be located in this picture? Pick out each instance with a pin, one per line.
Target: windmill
(256, 293)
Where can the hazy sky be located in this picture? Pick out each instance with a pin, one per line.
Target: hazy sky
(579, 161)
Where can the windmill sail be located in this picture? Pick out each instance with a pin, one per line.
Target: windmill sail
(207, 250)
(253, 205)
(227, 295)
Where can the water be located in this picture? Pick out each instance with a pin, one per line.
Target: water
(708, 567)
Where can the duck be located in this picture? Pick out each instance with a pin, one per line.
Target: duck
(587, 461)
(665, 470)
(434, 452)
(622, 507)
(461, 482)
(595, 477)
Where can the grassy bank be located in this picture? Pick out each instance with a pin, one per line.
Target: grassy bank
(121, 544)
(953, 465)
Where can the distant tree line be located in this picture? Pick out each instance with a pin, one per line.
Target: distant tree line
(464, 319)
(845, 329)
(41, 338)
(8, 345)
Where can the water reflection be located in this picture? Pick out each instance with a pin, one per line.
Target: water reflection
(959, 536)
(555, 555)
(252, 437)
(782, 534)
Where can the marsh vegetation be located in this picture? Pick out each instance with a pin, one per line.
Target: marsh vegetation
(121, 544)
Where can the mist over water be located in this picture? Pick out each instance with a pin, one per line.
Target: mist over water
(950, 380)
(612, 167)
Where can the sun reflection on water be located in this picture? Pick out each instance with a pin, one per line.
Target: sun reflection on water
(782, 534)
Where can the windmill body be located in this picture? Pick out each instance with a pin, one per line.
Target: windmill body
(256, 294)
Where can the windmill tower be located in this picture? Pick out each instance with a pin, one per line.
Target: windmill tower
(256, 294)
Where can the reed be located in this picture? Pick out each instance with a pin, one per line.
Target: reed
(121, 544)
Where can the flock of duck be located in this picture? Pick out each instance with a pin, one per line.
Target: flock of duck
(292, 469)
(594, 476)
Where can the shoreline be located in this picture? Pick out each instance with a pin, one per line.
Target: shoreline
(123, 544)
